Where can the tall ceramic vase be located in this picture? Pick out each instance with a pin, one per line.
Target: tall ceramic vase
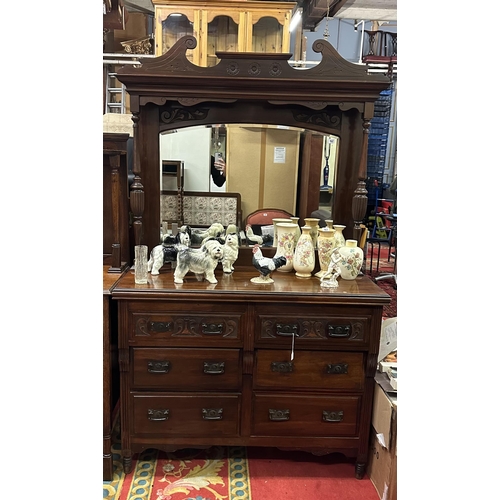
(304, 256)
(326, 246)
(285, 244)
(329, 223)
(275, 230)
(314, 225)
(351, 261)
(295, 220)
(339, 236)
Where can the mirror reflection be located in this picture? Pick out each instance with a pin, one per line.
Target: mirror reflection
(225, 172)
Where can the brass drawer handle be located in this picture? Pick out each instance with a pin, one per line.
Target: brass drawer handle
(282, 366)
(158, 366)
(336, 368)
(333, 416)
(158, 415)
(160, 326)
(212, 328)
(212, 413)
(287, 330)
(279, 415)
(213, 368)
(339, 331)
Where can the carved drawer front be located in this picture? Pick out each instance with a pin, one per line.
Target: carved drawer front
(185, 324)
(180, 369)
(309, 370)
(305, 415)
(194, 414)
(311, 326)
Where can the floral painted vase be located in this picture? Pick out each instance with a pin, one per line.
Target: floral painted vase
(314, 225)
(275, 230)
(339, 236)
(295, 220)
(351, 261)
(329, 224)
(326, 246)
(285, 244)
(304, 256)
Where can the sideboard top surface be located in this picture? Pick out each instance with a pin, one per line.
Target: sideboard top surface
(237, 287)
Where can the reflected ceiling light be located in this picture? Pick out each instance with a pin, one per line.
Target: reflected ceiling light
(296, 18)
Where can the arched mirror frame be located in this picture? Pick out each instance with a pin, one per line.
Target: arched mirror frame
(335, 97)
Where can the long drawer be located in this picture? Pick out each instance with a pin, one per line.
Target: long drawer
(193, 414)
(314, 325)
(308, 370)
(183, 324)
(186, 369)
(305, 415)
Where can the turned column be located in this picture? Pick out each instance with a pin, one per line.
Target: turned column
(360, 200)
(137, 189)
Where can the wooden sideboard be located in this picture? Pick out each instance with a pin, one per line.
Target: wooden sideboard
(110, 395)
(289, 365)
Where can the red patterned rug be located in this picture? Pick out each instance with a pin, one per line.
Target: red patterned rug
(234, 473)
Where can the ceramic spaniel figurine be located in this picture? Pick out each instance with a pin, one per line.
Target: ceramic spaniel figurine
(201, 261)
(231, 249)
(167, 251)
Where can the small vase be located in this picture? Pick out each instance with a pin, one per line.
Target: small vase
(275, 230)
(295, 220)
(141, 264)
(352, 260)
(304, 256)
(314, 225)
(326, 246)
(329, 224)
(285, 244)
(339, 236)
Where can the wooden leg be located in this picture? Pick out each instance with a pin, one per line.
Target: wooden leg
(360, 470)
(127, 461)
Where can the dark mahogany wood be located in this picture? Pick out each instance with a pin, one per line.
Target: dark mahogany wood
(211, 364)
(116, 251)
(169, 92)
(109, 280)
(246, 329)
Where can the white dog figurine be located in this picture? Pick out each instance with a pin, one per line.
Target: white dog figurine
(201, 260)
(231, 249)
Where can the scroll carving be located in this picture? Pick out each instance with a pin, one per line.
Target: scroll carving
(182, 114)
(325, 118)
(186, 327)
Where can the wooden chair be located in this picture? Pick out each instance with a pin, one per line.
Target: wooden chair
(265, 216)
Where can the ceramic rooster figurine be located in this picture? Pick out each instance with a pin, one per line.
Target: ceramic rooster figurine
(265, 265)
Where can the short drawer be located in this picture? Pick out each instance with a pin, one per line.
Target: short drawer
(193, 414)
(305, 415)
(309, 370)
(311, 326)
(195, 324)
(186, 369)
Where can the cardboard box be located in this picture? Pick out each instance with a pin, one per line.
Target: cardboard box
(382, 460)
(388, 338)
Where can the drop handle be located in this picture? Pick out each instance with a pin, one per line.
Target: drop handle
(158, 415)
(213, 368)
(212, 328)
(279, 415)
(339, 331)
(336, 368)
(333, 416)
(287, 330)
(212, 413)
(158, 366)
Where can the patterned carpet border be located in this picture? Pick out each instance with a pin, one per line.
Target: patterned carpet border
(221, 472)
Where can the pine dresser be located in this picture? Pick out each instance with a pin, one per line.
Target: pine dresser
(288, 365)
